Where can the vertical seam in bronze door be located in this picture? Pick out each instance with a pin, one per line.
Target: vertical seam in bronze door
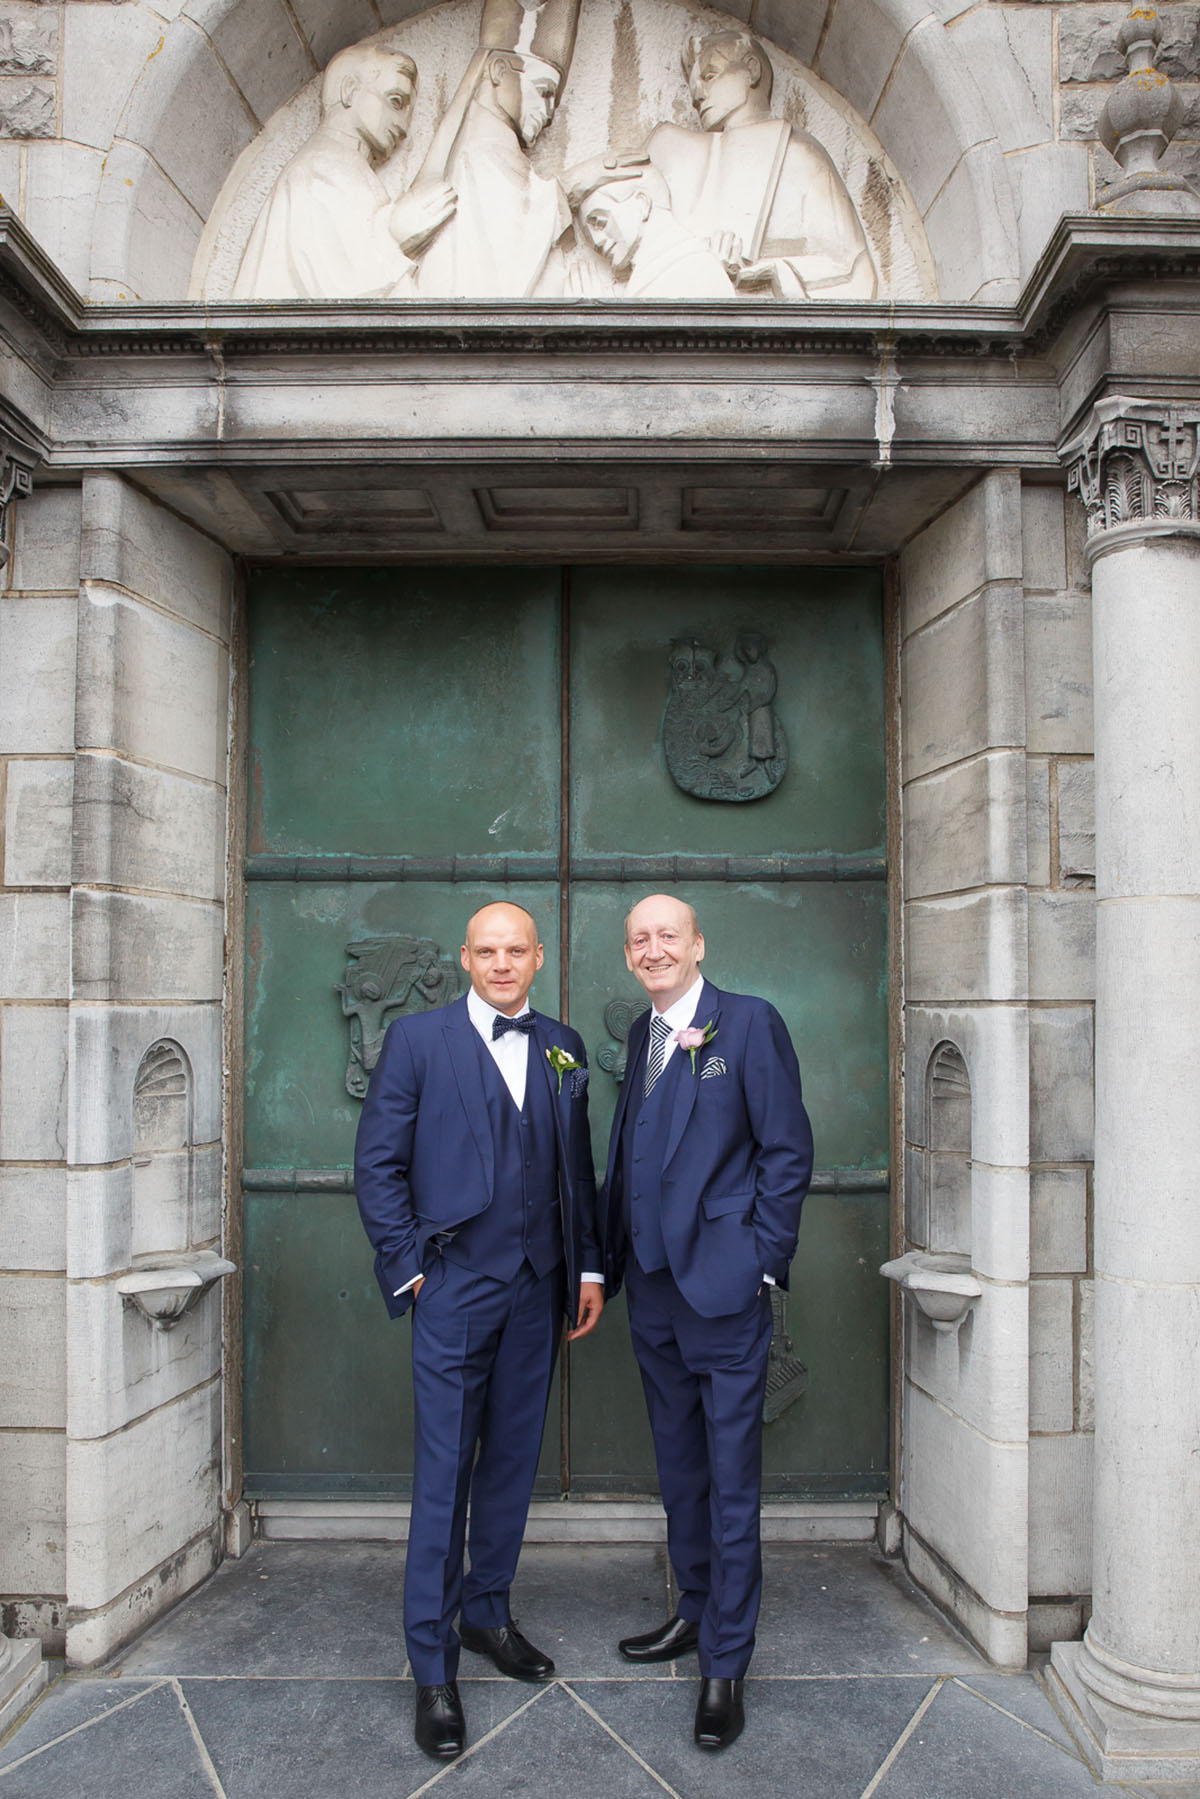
(564, 956)
(234, 1030)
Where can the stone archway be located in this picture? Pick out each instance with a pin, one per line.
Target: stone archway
(204, 95)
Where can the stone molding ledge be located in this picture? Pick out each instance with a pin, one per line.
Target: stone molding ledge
(1136, 468)
(1084, 253)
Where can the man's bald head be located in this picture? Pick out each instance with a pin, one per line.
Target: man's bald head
(502, 954)
(687, 914)
(499, 906)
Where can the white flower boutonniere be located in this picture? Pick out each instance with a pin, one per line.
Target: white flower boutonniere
(561, 1063)
(694, 1038)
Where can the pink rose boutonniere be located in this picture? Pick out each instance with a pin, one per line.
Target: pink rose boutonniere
(695, 1037)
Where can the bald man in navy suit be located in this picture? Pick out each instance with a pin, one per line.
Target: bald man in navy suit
(473, 1169)
(709, 1163)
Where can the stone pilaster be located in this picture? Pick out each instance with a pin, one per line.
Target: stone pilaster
(1134, 1681)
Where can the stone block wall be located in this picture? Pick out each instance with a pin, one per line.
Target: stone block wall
(1062, 880)
(114, 720)
(38, 607)
(964, 1424)
(999, 985)
(145, 1090)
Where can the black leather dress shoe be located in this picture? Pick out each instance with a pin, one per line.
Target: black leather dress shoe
(719, 1713)
(441, 1729)
(678, 1636)
(512, 1653)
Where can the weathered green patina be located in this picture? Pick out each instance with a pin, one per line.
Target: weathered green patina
(421, 741)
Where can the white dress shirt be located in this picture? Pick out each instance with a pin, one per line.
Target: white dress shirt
(679, 1015)
(510, 1053)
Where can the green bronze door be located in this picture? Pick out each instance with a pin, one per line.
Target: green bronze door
(424, 740)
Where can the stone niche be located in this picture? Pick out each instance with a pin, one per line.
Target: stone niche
(625, 81)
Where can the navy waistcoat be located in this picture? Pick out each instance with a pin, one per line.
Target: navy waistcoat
(643, 1146)
(523, 1221)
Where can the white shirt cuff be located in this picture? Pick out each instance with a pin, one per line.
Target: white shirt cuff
(598, 1279)
(407, 1285)
(768, 1280)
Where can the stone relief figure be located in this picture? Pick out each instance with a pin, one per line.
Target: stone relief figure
(622, 206)
(764, 195)
(330, 229)
(721, 735)
(385, 978)
(509, 219)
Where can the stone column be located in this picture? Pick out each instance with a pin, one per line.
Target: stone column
(1133, 1683)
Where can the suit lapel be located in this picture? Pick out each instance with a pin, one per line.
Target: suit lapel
(688, 1085)
(464, 1061)
(638, 1032)
(540, 1041)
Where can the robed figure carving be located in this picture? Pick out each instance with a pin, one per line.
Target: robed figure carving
(764, 195)
(509, 218)
(330, 229)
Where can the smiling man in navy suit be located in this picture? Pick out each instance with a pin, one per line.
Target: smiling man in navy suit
(473, 1171)
(709, 1162)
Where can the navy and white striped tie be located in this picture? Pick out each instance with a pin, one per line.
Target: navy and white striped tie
(660, 1030)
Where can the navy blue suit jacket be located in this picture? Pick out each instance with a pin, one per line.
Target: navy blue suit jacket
(424, 1159)
(737, 1160)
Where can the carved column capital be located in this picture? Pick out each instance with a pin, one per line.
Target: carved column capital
(1136, 468)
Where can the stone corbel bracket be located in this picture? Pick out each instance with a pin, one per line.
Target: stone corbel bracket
(164, 1289)
(942, 1285)
(17, 462)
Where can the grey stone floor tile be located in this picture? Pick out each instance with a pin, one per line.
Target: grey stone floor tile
(804, 1739)
(145, 1751)
(1024, 1695)
(77, 1699)
(964, 1749)
(550, 1750)
(576, 1601)
(288, 1609)
(317, 1739)
(835, 1608)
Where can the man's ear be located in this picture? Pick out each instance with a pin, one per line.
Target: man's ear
(753, 68)
(647, 204)
(350, 86)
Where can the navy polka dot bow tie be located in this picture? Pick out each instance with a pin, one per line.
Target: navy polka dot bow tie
(502, 1024)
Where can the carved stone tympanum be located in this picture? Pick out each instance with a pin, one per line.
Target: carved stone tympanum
(629, 149)
(623, 208)
(764, 195)
(387, 977)
(721, 735)
(330, 229)
(508, 218)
